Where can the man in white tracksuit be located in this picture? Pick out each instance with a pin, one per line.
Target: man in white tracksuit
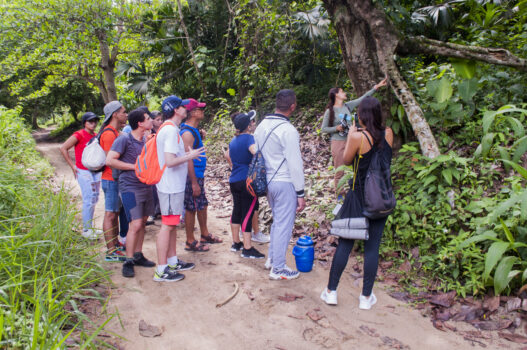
(285, 175)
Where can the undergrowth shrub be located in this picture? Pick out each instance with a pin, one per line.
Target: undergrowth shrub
(44, 264)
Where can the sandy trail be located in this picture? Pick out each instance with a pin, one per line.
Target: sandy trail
(255, 319)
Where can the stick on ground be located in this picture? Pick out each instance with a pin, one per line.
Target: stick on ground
(230, 297)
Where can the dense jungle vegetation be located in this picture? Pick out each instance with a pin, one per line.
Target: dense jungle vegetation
(456, 101)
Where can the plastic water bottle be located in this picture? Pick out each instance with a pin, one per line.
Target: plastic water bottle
(304, 253)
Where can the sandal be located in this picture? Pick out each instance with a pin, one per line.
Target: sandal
(211, 239)
(194, 247)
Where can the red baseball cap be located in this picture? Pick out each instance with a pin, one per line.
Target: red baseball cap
(191, 104)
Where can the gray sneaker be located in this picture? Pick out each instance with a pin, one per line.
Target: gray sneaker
(283, 274)
(260, 237)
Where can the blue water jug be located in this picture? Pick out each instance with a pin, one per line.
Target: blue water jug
(304, 253)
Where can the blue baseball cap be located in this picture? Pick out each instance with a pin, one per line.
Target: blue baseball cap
(172, 102)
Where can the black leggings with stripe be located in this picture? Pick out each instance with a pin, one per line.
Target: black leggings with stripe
(244, 206)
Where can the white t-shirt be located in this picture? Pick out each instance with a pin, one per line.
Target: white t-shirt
(168, 140)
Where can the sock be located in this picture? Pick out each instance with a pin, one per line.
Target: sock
(138, 255)
(129, 260)
(160, 268)
(173, 260)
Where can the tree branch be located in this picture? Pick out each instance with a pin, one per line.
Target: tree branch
(422, 45)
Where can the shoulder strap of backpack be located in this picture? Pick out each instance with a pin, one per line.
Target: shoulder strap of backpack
(104, 130)
(269, 134)
(194, 134)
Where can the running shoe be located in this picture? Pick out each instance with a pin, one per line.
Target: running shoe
(168, 275)
(236, 247)
(182, 266)
(260, 237)
(115, 256)
(90, 234)
(150, 221)
(128, 268)
(252, 253)
(283, 274)
(268, 264)
(122, 240)
(329, 296)
(365, 303)
(140, 260)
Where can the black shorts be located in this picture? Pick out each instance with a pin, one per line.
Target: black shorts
(243, 207)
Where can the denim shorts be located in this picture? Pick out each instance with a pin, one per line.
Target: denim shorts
(111, 196)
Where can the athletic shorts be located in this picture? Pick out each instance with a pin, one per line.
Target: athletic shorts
(171, 203)
(244, 205)
(111, 196)
(195, 203)
(138, 204)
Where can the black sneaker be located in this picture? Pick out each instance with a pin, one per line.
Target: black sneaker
(168, 275)
(128, 268)
(140, 260)
(181, 266)
(236, 247)
(252, 253)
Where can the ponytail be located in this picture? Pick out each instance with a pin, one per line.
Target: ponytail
(331, 94)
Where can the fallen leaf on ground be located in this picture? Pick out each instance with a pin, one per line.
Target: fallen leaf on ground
(475, 334)
(394, 343)
(289, 297)
(402, 296)
(516, 338)
(314, 315)
(492, 304)
(492, 325)
(443, 299)
(406, 266)
(148, 330)
(513, 304)
(297, 317)
(369, 331)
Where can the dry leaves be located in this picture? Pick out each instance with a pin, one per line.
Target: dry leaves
(289, 297)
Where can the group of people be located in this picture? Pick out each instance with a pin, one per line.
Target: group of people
(181, 191)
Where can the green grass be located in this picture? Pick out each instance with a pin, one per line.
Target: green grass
(46, 268)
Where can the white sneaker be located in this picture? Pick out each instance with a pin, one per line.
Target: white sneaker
(268, 264)
(330, 297)
(283, 274)
(260, 237)
(89, 234)
(366, 303)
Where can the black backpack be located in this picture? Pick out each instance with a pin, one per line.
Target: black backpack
(256, 181)
(379, 199)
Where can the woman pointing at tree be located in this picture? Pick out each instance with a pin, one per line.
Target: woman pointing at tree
(337, 119)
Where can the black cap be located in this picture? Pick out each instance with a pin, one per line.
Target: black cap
(242, 120)
(89, 116)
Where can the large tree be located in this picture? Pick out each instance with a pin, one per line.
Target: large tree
(369, 41)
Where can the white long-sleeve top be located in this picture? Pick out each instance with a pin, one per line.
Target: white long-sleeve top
(283, 144)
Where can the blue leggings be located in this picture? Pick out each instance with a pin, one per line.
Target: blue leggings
(371, 258)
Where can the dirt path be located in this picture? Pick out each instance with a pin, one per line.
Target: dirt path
(255, 318)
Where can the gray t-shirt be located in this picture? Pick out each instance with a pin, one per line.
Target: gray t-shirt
(129, 149)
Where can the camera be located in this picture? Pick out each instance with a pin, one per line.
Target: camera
(345, 126)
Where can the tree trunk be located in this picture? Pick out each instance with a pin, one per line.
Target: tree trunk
(368, 42)
(107, 65)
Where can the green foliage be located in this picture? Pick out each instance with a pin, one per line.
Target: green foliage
(44, 265)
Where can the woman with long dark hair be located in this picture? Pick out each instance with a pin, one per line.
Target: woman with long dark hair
(338, 114)
(360, 146)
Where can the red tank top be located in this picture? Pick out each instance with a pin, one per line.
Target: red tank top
(82, 137)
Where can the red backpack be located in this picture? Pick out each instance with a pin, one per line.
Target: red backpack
(147, 168)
